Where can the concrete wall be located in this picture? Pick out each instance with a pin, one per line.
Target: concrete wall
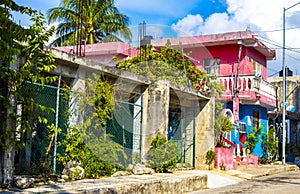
(204, 139)
(293, 93)
(155, 98)
(155, 113)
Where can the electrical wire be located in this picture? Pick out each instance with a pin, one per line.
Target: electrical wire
(278, 30)
(274, 43)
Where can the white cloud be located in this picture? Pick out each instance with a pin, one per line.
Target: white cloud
(264, 17)
(189, 25)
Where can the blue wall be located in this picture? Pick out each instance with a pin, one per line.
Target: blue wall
(246, 116)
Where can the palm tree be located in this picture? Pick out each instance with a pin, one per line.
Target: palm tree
(89, 20)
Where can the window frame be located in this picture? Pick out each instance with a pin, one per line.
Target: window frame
(212, 65)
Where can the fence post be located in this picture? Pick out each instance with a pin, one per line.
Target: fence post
(56, 124)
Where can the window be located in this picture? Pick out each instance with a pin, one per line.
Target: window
(242, 127)
(212, 66)
(256, 68)
(255, 118)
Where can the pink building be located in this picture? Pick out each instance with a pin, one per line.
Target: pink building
(232, 56)
(239, 60)
(103, 52)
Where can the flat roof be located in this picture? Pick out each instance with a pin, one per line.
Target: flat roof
(246, 38)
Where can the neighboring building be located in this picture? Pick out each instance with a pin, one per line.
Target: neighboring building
(239, 60)
(292, 114)
(103, 52)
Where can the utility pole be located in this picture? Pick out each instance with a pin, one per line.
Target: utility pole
(284, 86)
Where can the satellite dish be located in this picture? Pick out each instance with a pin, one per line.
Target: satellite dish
(291, 108)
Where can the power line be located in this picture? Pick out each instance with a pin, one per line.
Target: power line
(278, 30)
(274, 43)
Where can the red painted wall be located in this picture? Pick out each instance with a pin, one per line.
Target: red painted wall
(228, 55)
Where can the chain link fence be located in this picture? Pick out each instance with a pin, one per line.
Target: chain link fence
(36, 154)
(38, 151)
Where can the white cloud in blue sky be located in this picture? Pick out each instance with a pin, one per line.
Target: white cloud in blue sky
(195, 17)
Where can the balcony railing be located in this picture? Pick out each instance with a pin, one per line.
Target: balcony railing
(250, 83)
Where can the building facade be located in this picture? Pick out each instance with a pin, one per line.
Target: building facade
(239, 60)
(292, 115)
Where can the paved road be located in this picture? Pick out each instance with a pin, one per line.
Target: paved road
(287, 182)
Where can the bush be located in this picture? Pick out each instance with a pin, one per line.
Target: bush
(253, 138)
(210, 157)
(269, 142)
(92, 162)
(162, 154)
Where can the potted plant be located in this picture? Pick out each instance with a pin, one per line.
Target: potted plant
(223, 154)
(253, 138)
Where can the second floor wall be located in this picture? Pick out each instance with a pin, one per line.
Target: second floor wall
(225, 60)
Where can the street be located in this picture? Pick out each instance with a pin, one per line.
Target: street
(287, 182)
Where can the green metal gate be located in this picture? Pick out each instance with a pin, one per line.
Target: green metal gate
(125, 128)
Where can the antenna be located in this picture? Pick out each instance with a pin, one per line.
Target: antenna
(80, 43)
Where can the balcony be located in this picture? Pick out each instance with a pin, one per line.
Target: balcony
(251, 89)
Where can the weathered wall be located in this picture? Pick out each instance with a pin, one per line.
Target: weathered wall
(155, 112)
(204, 140)
(293, 93)
(155, 102)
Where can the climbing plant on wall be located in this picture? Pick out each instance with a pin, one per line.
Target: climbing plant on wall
(169, 63)
(88, 142)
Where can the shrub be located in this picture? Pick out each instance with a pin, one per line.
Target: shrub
(210, 157)
(92, 162)
(253, 138)
(269, 141)
(162, 154)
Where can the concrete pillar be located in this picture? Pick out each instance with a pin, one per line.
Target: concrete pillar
(78, 85)
(137, 116)
(155, 113)
(204, 139)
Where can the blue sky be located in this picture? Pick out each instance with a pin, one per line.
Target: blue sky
(165, 18)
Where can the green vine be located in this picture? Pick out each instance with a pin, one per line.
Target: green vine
(170, 64)
(104, 101)
(89, 143)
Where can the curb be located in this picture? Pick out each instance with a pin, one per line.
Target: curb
(260, 171)
(282, 169)
(275, 170)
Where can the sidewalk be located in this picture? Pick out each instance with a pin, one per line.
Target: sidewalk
(181, 181)
(250, 172)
